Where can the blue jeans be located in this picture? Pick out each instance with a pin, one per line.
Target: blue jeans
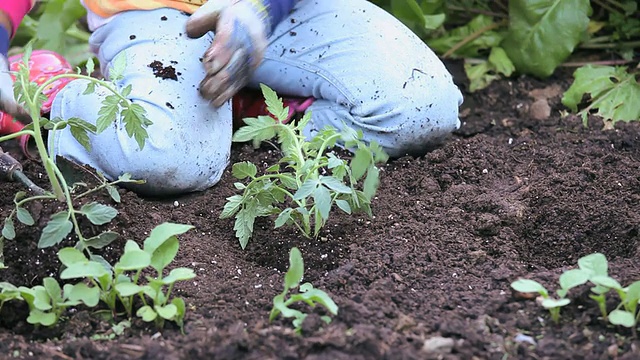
(363, 66)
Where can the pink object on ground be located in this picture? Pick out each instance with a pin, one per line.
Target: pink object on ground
(250, 103)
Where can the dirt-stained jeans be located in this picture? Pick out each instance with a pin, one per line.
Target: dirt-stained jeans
(365, 68)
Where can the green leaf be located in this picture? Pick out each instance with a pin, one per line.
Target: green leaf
(133, 260)
(243, 170)
(595, 264)
(162, 233)
(633, 292)
(481, 25)
(623, 318)
(274, 104)
(164, 254)
(344, 206)
(42, 300)
(69, 256)
(309, 294)
(53, 289)
(296, 269)
(257, 130)
(128, 289)
(24, 216)
(39, 317)
(335, 184)
(283, 217)
(91, 87)
(360, 162)
(572, 278)
(57, 17)
(97, 213)
(102, 240)
(113, 192)
(58, 227)
(554, 303)
(146, 313)
(135, 122)
(89, 67)
(117, 67)
(231, 206)
(529, 286)
(179, 274)
(605, 281)
(8, 230)
(543, 33)
(322, 201)
(245, 219)
(613, 93)
(288, 181)
(108, 112)
(88, 268)
(371, 183)
(90, 296)
(80, 129)
(306, 189)
(168, 311)
(409, 12)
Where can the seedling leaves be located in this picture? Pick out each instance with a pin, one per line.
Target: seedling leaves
(162, 233)
(554, 303)
(595, 263)
(623, 318)
(97, 213)
(529, 286)
(24, 216)
(244, 170)
(572, 278)
(8, 230)
(296, 269)
(58, 227)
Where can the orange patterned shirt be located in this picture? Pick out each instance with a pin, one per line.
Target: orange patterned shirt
(107, 8)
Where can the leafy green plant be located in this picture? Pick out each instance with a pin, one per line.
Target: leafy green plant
(115, 107)
(591, 268)
(312, 181)
(308, 294)
(119, 284)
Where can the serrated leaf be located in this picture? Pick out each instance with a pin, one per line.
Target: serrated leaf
(231, 206)
(8, 230)
(89, 67)
(243, 170)
(24, 216)
(58, 227)
(274, 103)
(256, 130)
(322, 201)
(135, 122)
(306, 189)
(245, 219)
(102, 240)
(371, 183)
(335, 184)
(543, 33)
(108, 112)
(98, 214)
(283, 217)
(81, 137)
(613, 91)
(288, 181)
(296, 269)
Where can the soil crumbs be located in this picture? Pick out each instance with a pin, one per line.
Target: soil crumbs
(427, 277)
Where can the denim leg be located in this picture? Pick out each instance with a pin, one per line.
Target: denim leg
(189, 140)
(367, 70)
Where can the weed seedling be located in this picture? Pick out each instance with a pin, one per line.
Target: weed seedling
(308, 294)
(314, 179)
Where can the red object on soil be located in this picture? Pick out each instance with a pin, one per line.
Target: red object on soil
(250, 103)
(43, 65)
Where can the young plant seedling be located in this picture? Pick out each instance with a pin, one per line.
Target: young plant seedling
(308, 294)
(308, 179)
(114, 107)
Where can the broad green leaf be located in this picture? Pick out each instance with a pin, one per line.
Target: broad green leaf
(245, 219)
(81, 137)
(53, 289)
(595, 263)
(529, 286)
(24, 216)
(288, 181)
(133, 260)
(42, 300)
(58, 227)
(113, 192)
(135, 122)
(613, 93)
(69, 256)
(90, 296)
(623, 318)
(76, 270)
(8, 230)
(131, 245)
(146, 313)
(633, 292)
(243, 170)
(162, 233)
(164, 254)
(605, 281)
(128, 289)
(97, 213)
(39, 317)
(257, 130)
(231, 206)
(554, 303)
(283, 217)
(371, 183)
(572, 278)
(322, 201)
(335, 184)
(543, 33)
(58, 16)
(360, 163)
(408, 11)
(179, 274)
(306, 189)
(102, 240)
(296, 269)
(168, 311)
(500, 61)
(480, 75)
(344, 206)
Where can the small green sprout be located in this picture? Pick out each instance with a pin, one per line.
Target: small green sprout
(308, 294)
(315, 179)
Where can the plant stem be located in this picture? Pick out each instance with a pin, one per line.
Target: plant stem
(72, 211)
(16, 135)
(627, 44)
(472, 37)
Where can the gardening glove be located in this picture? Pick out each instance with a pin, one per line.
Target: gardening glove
(241, 29)
(8, 102)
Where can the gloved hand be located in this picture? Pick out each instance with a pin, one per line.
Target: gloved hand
(240, 39)
(7, 100)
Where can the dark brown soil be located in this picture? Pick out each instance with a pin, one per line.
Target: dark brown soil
(507, 196)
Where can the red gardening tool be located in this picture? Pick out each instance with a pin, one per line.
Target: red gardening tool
(43, 65)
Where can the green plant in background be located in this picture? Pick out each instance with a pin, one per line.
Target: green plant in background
(308, 294)
(116, 107)
(592, 268)
(113, 286)
(502, 38)
(308, 179)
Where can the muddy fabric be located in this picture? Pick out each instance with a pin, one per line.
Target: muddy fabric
(365, 68)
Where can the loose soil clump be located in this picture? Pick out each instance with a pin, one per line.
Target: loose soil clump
(512, 194)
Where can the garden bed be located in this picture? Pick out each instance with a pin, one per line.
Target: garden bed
(428, 277)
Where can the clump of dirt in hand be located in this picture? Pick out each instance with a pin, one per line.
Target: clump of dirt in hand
(163, 72)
